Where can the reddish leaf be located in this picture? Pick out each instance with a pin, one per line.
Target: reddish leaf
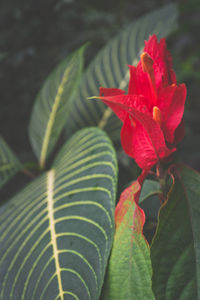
(129, 263)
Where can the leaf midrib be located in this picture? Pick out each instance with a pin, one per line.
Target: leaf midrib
(50, 188)
(51, 120)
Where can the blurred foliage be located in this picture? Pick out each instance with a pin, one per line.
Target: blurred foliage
(185, 47)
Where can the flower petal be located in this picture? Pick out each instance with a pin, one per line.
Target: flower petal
(143, 83)
(110, 91)
(132, 86)
(122, 104)
(144, 142)
(171, 103)
(164, 73)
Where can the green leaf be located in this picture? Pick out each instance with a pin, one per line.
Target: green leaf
(57, 233)
(150, 203)
(49, 112)
(149, 188)
(110, 69)
(175, 251)
(9, 164)
(129, 270)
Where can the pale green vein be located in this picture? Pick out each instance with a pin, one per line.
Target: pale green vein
(50, 199)
(85, 261)
(80, 277)
(71, 159)
(83, 190)
(83, 141)
(87, 240)
(10, 216)
(85, 202)
(40, 276)
(47, 285)
(69, 293)
(85, 160)
(33, 268)
(85, 178)
(25, 260)
(63, 180)
(84, 220)
(52, 117)
(14, 260)
(23, 217)
(14, 242)
(89, 166)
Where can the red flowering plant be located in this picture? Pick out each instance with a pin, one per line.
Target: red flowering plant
(62, 237)
(152, 110)
(152, 117)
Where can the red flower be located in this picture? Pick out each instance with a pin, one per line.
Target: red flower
(152, 110)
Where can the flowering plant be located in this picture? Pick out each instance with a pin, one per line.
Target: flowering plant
(152, 117)
(152, 110)
(62, 236)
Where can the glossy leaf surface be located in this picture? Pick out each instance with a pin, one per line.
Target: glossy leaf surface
(56, 235)
(129, 270)
(149, 188)
(49, 112)
(175, 251)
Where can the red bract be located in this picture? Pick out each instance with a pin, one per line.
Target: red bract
(152, 110)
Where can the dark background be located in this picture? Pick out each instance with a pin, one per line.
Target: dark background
(37, 35)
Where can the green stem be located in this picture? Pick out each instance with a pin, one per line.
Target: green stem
(161, 176)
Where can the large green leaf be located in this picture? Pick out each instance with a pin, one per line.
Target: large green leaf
(129, 270)
(57, 233)
(9, 164)
(49, 112)
(110, 69)
(175, 250)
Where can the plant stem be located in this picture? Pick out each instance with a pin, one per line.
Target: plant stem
(28, 173)
(161, 176)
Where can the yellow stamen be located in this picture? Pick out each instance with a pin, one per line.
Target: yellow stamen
(157, 116)
(147, 67)
(147, 63)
